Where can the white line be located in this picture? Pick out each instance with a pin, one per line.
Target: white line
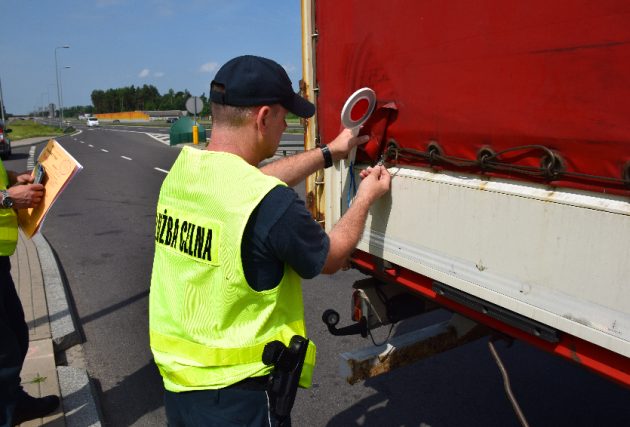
(82, 142)
(161, 170)
(90, 145)
(104, 150)
(126, 158)
(30, 164)
(167, 142)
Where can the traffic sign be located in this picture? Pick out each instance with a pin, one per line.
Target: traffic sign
(194, 105)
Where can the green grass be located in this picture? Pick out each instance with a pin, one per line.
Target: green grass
(22, 129)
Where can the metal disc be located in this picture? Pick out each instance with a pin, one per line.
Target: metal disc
(357, 100)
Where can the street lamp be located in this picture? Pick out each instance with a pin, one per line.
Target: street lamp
(1, 103)
(61, 92)
(58, 92)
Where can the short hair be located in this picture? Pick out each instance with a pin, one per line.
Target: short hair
(229, 115)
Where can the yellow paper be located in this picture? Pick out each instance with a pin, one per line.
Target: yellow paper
(60, 167)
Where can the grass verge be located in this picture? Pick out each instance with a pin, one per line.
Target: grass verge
(22, 129)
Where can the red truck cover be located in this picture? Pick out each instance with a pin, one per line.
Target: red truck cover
(491, 73)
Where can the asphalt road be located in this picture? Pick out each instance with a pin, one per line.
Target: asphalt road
(102, 228)
(293, 136)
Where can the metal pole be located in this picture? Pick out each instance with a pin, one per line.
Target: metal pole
(61, 92)
(57, 75)
(1, 101)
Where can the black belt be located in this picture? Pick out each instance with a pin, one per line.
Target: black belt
(252, 383)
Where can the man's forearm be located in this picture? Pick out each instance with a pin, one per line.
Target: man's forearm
(294, 169)
(346, 234)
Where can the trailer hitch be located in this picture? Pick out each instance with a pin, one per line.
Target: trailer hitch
(331, 319)
(375, 305)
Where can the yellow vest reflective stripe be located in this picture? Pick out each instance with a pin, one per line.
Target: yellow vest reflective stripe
(207, 326)
(8, 221)
(202, 355)
(190, 375)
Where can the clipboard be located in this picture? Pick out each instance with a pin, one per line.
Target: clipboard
(55, 169)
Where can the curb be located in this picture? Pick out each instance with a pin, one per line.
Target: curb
(62, 326)
(79, 398)
(79, 405)
(30, 141)
(39, 139)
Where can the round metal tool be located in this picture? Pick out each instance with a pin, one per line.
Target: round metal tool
(358, 108)
(355, 112)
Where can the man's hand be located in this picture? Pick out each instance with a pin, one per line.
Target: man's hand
(26, 195)
(24, 178)
(375, 182)
(346, 233)
(341, 146)
(18, 177)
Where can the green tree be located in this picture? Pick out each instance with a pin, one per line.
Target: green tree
(98, 101)
(145, 98)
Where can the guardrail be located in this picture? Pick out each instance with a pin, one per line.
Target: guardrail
(290, 147)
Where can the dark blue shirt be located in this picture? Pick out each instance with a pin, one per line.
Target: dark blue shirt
(281, 230)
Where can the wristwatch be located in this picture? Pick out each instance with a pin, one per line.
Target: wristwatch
(328, 160)
(7, 201)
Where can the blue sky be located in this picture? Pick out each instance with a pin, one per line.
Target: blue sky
(176, 44)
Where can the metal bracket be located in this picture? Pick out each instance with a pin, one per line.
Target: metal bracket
(513, 319)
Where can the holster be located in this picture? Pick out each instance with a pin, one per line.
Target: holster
(285, 377)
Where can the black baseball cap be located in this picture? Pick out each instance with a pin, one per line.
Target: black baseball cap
(249, 81)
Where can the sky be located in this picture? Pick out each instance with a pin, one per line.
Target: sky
(171, 44)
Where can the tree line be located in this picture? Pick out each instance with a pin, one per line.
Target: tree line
(145, 98)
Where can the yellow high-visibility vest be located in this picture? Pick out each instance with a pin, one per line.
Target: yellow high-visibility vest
(208, 327)
(8, 220)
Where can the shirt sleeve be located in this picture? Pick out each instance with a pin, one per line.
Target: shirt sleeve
(281, 230)
(297, 239)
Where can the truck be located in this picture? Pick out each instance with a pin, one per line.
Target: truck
(505, 126)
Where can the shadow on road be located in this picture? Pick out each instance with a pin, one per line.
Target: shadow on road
(140, 393)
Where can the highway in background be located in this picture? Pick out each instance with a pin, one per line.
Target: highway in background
(102, 232)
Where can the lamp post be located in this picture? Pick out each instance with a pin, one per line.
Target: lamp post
(1, 103)
(61, 92)
(58, 92)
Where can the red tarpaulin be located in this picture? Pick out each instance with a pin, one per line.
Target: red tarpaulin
(496, 74)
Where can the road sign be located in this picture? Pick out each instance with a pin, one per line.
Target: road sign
(194, 105)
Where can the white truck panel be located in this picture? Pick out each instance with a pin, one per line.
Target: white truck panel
(561, 258)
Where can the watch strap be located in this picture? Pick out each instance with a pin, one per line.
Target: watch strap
(328, 160)
(6, 202)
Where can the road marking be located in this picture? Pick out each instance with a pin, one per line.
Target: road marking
(90, 145)
(126, 158)
(30, 164)
(161, 170)
(82, 142)
(163, 138)
(104, 150)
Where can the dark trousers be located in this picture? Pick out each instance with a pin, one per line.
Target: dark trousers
(13, 342)
(225, 407)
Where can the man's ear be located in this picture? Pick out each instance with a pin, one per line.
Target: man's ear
(263, 115)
